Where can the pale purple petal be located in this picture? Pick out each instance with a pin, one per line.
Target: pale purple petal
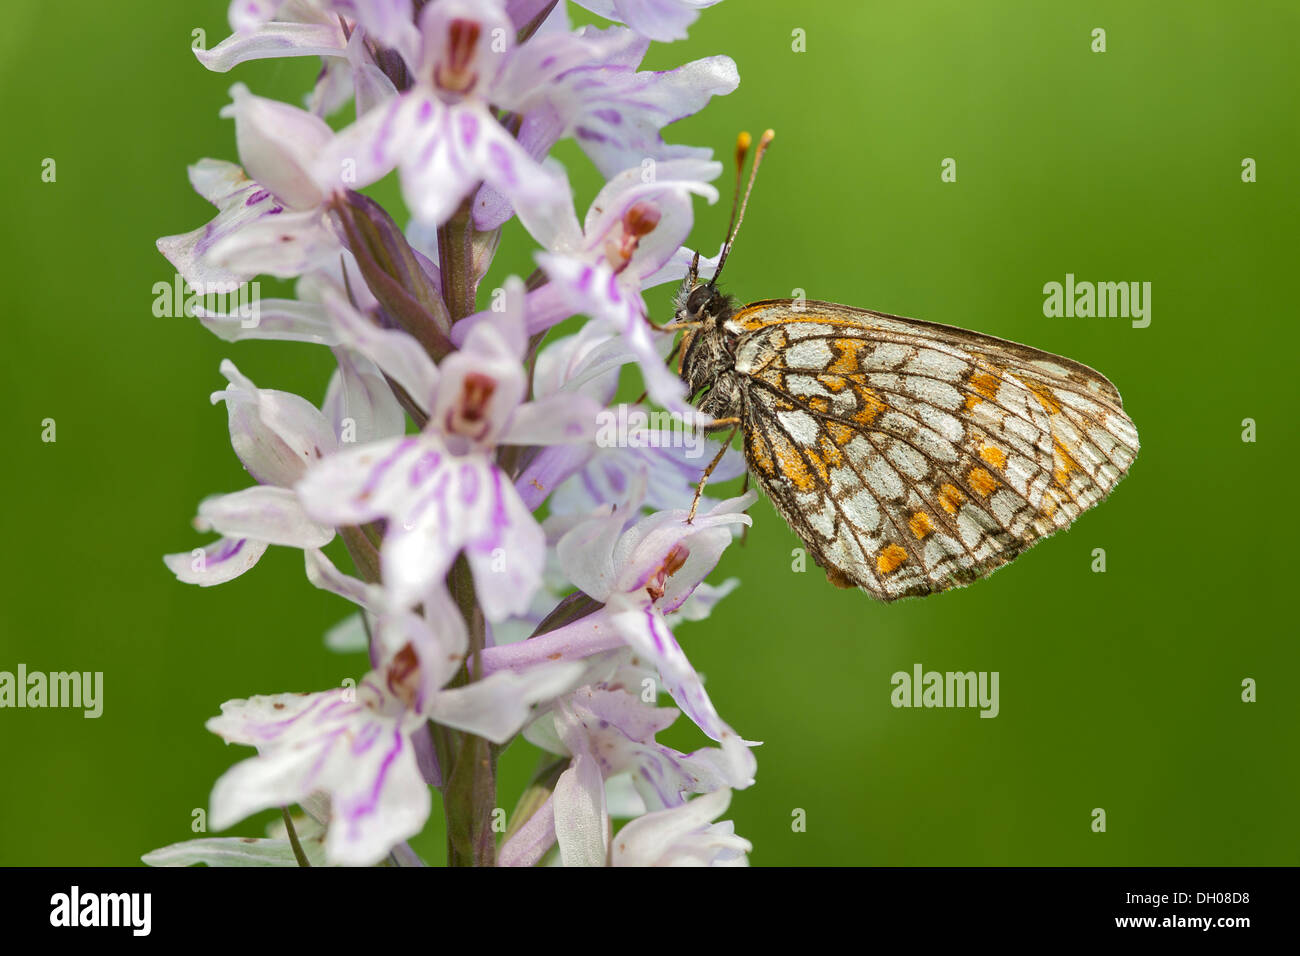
(682, 836)
(274, 39)
(239, 851)
(581, 819)
(497, 706)
(277, 144)
(595, 290)
(647, 633)
(674, 270)
(216, 563)
(275, 434)
(495, 40)
(394, 351)
(457, 146)
(668, 193)
(548, 470)
(359, 403)
(669, 462)
(286, 245)
(532, 841)
(350, 743)
(370, 148)
(617, 115)
(263, 513)
(392, 22)
(324, 574)
(587, 553)
(704, 598)
(240, 201)
(357, 485)
(505, 547)
(539, 131)
(554, 420)
(588, 362)
(618, 728)
(286, 320)
(578, 641)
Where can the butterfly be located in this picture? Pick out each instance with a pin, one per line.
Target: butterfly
(910, 457)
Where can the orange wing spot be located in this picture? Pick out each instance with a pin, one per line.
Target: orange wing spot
(830, 452)
(819, 466)
(871, 406)
(842, 434)
(751, 318)
(760, 454)
(832, 383)
(819, 403)
(1044, 396)
(984, 483)
(985, 384)
(995, 457)
(889, 559)
(1065, 463)
(685, 347)
(972, 401)
(951, 498)
(846, 357)
(795, 470)
(920, 525)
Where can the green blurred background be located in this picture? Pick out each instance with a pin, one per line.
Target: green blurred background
(1119, 690)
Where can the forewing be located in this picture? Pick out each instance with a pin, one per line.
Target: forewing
(913, 457)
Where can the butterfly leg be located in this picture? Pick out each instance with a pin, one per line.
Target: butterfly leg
(720, 423)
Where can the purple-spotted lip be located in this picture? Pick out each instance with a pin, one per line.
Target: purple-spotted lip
(228, 550)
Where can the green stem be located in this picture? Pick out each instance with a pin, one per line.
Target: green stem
(299, 853)
(363, 545)
(470, 790)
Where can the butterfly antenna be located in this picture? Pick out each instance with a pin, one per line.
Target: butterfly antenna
(738, 205)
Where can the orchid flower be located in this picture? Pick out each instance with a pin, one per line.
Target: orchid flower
(275, 434)
(631, 240)
(682, 836)
(440, 491)
(492, 497)
(663, 458)
(614, 112)
(641, 574)
(608, 732)
(442, 131)
(352, 743)
(271, 213)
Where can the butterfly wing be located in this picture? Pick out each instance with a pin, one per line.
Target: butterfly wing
(913, 457)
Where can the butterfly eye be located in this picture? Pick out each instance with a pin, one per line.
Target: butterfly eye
(698, 298)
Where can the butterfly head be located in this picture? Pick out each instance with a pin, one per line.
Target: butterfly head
(701, 309)
(700, 302)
